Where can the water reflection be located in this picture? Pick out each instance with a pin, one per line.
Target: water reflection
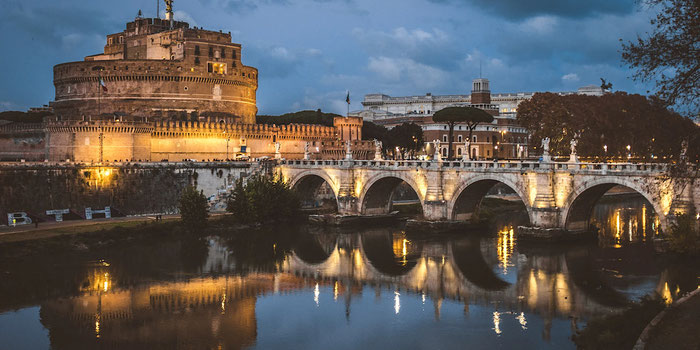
(623, 221)
(394, 288)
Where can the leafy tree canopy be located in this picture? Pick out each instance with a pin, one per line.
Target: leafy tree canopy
(264, 199)
(194, 208)
(301, 117)
(24, 117)
(670, 55)
(615, 120)
(453, 115)
(462, 115)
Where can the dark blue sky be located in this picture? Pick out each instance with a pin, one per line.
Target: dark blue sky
(309, 52)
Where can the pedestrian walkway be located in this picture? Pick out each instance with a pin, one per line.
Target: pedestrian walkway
(678, 328)
(50, 229)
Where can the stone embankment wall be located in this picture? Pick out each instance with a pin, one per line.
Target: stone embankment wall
(127, 188)
(23, 141)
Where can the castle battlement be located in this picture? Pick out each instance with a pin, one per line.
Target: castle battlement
(158, 65)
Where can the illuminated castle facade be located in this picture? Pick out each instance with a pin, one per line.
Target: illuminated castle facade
(164, 91)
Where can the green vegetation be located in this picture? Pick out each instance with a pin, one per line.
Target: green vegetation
(193, 208)
(669, 55)
(301, 117)
(456, 115)
(264, 199)
(619, 331)
(606, 125)
(685, 236)
(408, 137)
(23, 117)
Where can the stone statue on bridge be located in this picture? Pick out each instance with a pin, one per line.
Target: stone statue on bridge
(348, 150)
(437, 156)
(278, 155)
(573, 158)
(545, 150)
(307, 155)
(377, 150)
(467, 150)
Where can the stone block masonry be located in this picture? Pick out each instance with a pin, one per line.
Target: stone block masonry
(127, 188)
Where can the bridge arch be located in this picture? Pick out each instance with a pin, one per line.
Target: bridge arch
(470, 193)
(576, 212)
(376, 195)
(469, 260)
(308, 183)
(389, 254)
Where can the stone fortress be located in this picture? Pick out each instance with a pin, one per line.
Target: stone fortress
(164, 91)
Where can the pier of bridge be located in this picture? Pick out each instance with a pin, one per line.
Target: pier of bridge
(558, 196)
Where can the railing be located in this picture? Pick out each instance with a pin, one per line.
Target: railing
(484, 165)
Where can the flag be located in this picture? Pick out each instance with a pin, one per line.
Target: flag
(347, 98)
(102, 84)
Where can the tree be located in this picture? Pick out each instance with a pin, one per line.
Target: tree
(301, 117)
(610, 122)
(408, 137)
(671, 54)
(264, 199)
(453, 115)
(193, 207)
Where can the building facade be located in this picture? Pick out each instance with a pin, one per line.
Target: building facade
(155, 68)
(503, 138)
(162, 91)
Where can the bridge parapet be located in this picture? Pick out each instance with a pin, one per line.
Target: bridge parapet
(499, 166)
(557, 195)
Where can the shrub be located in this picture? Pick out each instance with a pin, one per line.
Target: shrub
(193, 207)
(685, 237)
(263, 199)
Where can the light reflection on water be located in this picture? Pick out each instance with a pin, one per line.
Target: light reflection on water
(373, 288)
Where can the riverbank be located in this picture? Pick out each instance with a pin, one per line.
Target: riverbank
(82, 236)
(675, 328)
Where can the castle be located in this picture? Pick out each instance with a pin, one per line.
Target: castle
(164, 91)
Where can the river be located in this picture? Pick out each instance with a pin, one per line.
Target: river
(313, 288)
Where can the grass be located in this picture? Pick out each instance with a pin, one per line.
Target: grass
(69, 230)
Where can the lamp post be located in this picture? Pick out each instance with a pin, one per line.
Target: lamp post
(605, 148)
(629, 152)
(228, 138)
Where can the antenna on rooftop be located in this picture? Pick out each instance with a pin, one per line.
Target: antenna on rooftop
(480, 68)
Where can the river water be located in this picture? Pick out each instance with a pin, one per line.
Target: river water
(311, 288)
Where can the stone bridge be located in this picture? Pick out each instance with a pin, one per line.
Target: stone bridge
(557, 195)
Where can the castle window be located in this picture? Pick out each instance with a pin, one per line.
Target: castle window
(223, 53)
(121, 39)
(218, 68)
(196, 60)
(233, 54)
(196, 50)
(211, 51)
(459, 138)
(109, 41)
(444, 138)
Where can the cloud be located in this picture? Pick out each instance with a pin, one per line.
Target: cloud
(180, 15)
(519, 9)
(432, 47)
(539, 24)
(50, 23)
(571, 77)
(405, 70)
(274, 62)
